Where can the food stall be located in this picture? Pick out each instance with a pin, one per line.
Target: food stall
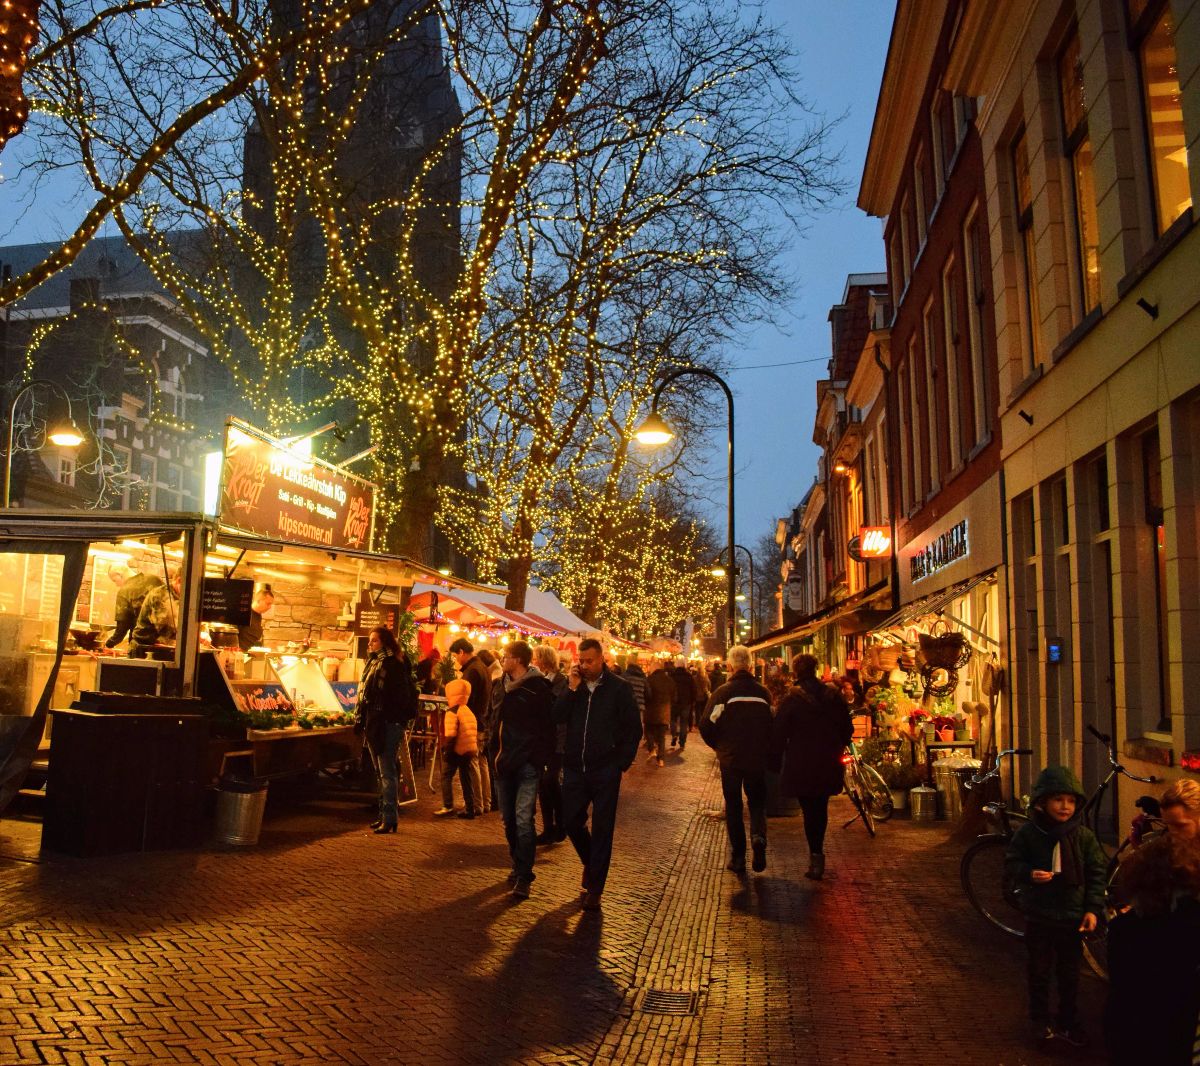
(282, 706)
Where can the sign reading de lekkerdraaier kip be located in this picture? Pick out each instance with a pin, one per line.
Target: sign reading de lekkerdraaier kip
(268, 490)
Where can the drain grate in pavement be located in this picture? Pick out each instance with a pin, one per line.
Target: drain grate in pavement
(660, 1001)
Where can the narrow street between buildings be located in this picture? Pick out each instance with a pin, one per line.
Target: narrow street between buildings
(328, 944)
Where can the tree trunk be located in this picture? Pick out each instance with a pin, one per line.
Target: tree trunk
(411, 533)
(521, 565)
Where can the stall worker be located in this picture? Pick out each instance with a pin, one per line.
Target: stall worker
(251, 634)
(158, 619)
(131, 594)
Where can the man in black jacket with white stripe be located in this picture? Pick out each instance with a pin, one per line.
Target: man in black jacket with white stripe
(737, 725)
(603, 731)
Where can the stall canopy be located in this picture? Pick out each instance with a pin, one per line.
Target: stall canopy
(543, 613)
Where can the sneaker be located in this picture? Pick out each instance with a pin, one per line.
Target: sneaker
(591, 902)
(1074, 1036)
(759, 847)
(511, 879)
(520, 889)
(466, 814)
(442, 812)
(736, 866)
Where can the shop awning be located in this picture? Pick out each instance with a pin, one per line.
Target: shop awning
(844, 611)
(935, 603)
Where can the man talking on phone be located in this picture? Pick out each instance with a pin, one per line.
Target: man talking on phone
(603, 731)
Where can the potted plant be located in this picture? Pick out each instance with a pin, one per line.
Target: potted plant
(900, 777)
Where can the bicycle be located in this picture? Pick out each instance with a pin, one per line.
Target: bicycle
(981, 870)
(871, 785)
(862, 794)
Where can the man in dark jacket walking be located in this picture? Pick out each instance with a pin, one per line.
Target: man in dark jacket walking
(480, 700)
(524, 742)
(811, 730)
(603, 729)
(736, 724)
(681, 705)
(660, 691)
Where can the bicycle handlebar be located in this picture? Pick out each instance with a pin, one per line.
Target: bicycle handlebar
(979, 779)
(1106, 740)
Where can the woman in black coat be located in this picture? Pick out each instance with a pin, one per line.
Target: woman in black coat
(811, 730)
(387, 702)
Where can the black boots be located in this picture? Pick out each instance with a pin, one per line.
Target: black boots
(816, 866)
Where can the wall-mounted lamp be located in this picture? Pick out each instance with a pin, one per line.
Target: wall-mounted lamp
(840, 468)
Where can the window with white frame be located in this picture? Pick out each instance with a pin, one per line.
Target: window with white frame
(976, 295)
(66, 470)
(905, 445)
(1027, 251)
(1152, 37)
(1077, 150)
(937, 146)
(952, 329)
(929, 336)
(922, 216)
(882, 458)
(917, 411)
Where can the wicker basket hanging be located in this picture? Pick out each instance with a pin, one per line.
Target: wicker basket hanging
(944, 649)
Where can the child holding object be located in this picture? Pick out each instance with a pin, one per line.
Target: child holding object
(1057, 868)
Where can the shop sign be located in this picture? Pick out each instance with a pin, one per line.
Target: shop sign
(271, 491)
(872, 542)
(795, 593)
(226, 601)
(940, 552)
(875, 542)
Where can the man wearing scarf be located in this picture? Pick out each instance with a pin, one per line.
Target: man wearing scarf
(1057, 868)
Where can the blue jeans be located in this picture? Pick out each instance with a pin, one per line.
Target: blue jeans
(517, 792)
(385, 764)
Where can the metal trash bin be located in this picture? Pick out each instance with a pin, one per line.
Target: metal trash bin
(946, 784)
(240, 806)
(922, 800)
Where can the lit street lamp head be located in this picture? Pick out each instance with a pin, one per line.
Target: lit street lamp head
(717, 571)
(654, 430)
(65, 434)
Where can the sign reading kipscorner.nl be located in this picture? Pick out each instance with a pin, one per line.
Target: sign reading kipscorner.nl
(268, 490)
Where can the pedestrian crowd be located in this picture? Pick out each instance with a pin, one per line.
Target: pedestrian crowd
(533, 729)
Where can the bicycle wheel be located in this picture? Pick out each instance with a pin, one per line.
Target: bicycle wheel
(864, 809)
(982, 873)
(878, 795)
(1095, 945)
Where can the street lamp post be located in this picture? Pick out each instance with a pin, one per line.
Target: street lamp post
(733, 566)
(656, 431)
(64, 434)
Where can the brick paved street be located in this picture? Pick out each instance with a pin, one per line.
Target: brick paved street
(326, 944)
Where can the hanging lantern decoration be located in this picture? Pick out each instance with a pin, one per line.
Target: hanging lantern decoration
(18, 32)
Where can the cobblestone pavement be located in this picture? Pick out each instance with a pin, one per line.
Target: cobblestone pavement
(327, 944)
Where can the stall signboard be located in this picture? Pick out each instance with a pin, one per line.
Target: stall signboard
(346, 693)
(367, 618)
(251, 696)
(269, 490)
(226, 601)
